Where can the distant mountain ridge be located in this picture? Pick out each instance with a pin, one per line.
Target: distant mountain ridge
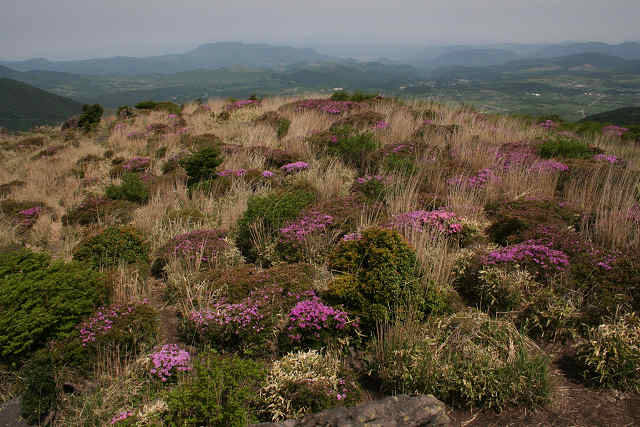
(207, 56)
(627, 116)
(25, 106)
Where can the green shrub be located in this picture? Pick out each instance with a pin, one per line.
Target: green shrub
(610, 355)
(564, 147)
(357, 96)
(354, 148)
(266, 214)
(40, 394)
(40, 301)
(379, 275)
(90, 117)
(465, 359)
(220, 392)
(201, 165)
(131, 189)
(169, 107)
(111, 247)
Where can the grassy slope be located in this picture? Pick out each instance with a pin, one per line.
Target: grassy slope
(24, 106)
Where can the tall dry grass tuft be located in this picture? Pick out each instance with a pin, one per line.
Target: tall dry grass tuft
(610, 196)
(129, 286)
(331, 177)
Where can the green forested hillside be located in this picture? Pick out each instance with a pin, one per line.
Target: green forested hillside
(25, 106)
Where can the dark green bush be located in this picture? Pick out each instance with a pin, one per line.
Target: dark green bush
(565, 148)
(131, 189)
(40, 301)
(169, 107)
(353, 147)
(111, 247)
(40, 393)
(268, 213)
(465, 360)
(379, 275)
(221, 392)
(90, 117)
(357, 96)
(201, 165)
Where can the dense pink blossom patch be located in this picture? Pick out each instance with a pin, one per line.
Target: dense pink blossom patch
(121, 417)
(295, 167)
(169, 360)
(549, 166)
(530, 251)
(483, 177)
(606, 158)
(548, 124)
(299, 229)
(441, 220)
(102, 321)
(311, 317)
(381, 125)
(614, 130)
(327, 106)
(241, 104)
(136, 164)
(267, 174)
(204, 245)
(28, 217)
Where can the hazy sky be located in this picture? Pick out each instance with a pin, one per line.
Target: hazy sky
(93, 28)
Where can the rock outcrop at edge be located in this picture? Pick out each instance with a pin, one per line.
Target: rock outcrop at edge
(394, 411)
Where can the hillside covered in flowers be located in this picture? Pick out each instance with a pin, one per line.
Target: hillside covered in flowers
(242, 261)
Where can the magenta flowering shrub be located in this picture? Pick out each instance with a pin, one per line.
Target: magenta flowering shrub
(136, 164)
(372, 187)
(200, 246)
(483, 177)
(327, 106)
(440, 219)
(531, 253)
(312, 323)
(607, 158)
(237, 105)
(27, 217)
(548, 124)
(168, 361)
(122, 416)
(614, 130)
(381, 125)
(549, 166)
(295, 167)
(299, 229)
(131, 326)
(267, 174)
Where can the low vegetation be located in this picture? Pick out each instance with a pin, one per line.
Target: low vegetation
(238, 261)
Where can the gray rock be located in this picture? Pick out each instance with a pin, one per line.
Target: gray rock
(394, 411)
(10, 414)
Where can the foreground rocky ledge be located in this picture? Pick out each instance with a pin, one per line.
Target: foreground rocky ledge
(394, 411)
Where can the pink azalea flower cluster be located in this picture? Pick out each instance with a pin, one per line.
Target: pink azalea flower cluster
(299, 229)
(235, 318)
(549, 166)
(206, 244)
(168, 360)
(515, 154)
(481, 178)
(137, 164)
(295, 167)
(530, 251)
(614, 130)
(368, 178)
(311, 316)
(381, 125)
(267, 174)
(29, 216)
(241, 104)
(548, 124)
(442, 220)
(121, 417)
(231, 172)
(102, 321)
(352, 236)
(327, 106)
(606, 158)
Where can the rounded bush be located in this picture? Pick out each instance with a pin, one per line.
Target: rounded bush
(40, 301)
(465, 360)
(221, 392)
(131, 189)
(111, 247)
(268, 213)
(201, 165)
(378, 275)
(610, 355)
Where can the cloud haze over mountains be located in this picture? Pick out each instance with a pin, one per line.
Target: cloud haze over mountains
(77, 28)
